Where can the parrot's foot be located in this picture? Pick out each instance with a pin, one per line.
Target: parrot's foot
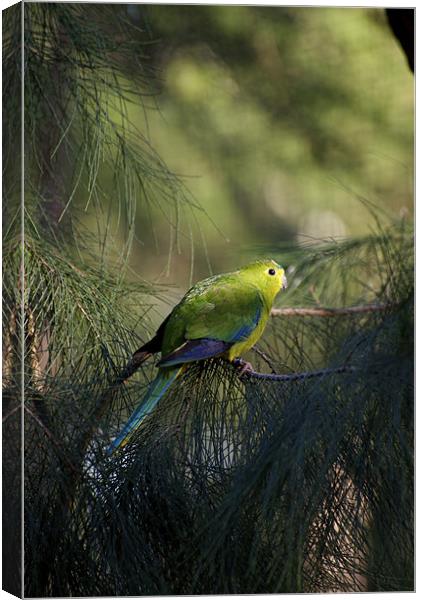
(243, 365)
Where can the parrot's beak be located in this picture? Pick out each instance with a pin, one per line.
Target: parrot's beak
(284, 283)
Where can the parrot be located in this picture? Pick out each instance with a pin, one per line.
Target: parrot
(221, 316)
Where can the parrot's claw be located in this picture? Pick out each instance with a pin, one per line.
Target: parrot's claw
(243, 365)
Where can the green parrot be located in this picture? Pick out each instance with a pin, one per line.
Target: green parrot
(223, 315)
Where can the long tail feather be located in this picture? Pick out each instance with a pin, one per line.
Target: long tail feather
(156, 390)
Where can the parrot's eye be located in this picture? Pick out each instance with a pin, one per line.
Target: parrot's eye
(272, 272)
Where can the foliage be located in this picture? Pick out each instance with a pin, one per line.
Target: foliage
(233, 485)
(77, 125)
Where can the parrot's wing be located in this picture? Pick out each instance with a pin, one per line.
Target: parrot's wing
(227, 311)
(193, 350)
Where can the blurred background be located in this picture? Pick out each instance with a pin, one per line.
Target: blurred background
(277, 120)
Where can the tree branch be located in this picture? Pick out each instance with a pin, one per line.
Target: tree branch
(329, 312)
(265, 358)
(297, 376)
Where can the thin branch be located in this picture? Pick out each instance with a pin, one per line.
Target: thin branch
(329, 312)
(265, 358)
(297, 376)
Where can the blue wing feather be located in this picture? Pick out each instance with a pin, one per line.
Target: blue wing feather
(193, 350)
(245, 330)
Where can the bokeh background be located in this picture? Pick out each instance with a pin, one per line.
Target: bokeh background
(278, 121)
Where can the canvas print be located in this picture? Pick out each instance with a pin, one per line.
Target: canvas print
(208, 298)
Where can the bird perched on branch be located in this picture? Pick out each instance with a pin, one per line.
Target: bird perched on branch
(223, 315)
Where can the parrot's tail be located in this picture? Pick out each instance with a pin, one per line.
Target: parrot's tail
(156, 390)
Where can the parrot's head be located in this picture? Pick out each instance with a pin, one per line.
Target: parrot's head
(268, 276)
